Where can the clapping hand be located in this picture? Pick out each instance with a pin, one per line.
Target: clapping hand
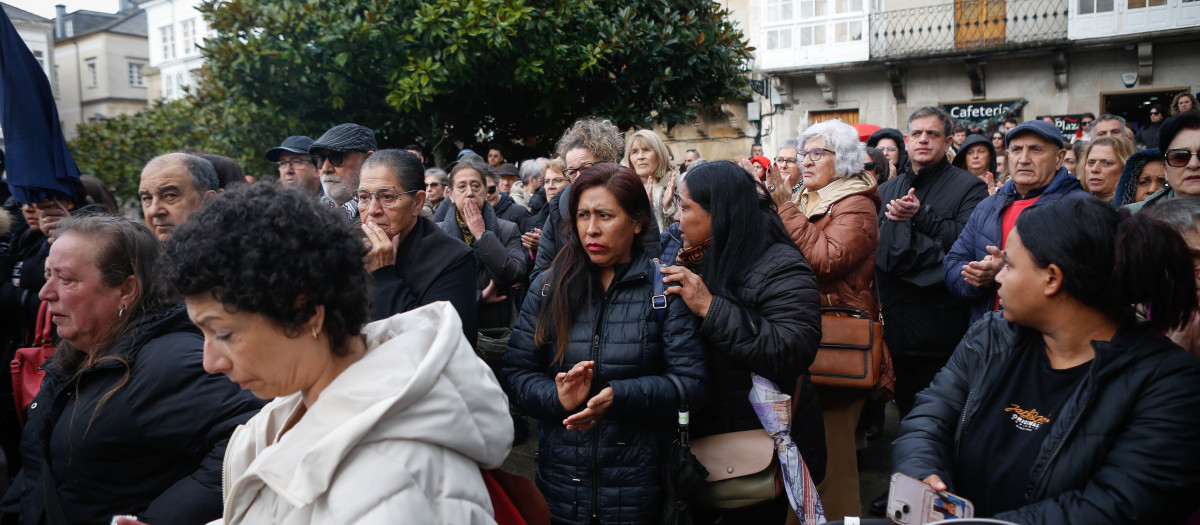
(983, 272)
(596, 408)
(904, 208)
(574, 384)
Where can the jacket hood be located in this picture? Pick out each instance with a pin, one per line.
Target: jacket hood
(887, 133)
(1127, 187)
(960, 160)
(857, 184)
(418, 381)
(505, 201)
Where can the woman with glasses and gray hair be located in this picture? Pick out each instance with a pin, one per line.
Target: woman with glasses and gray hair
(834, 221)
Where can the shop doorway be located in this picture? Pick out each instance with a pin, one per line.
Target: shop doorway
(1135, 107)
(848, 116)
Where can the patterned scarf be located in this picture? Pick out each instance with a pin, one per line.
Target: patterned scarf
(692, 257)
(462, 226)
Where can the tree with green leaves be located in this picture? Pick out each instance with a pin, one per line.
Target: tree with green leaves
(439, 72)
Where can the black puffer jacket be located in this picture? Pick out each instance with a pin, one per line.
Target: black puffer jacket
(1125, 447)
(772, 329)
(922, 317)
(611, 471)
(156, 447)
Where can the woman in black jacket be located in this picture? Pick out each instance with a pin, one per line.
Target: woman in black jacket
(587, 357)
(1062, 408)
(740, 272)
(127, 421)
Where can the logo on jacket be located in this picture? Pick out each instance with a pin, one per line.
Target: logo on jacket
(1027, 420)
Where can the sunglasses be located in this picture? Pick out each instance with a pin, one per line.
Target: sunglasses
(491, 190)
(1178, 158)
(1155, 113)
(336, 158)
(868, 166)
(432, 184)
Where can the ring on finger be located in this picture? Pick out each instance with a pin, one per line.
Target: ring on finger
(770, 187)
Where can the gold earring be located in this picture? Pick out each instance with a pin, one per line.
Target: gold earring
(314, 331)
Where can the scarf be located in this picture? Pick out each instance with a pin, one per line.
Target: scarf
(462, 226)
(692, 257)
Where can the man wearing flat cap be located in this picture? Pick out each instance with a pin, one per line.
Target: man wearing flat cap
(339, 155)
(297, 169)
(1035, 153)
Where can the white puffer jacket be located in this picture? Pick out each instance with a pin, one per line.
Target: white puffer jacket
(399, 436)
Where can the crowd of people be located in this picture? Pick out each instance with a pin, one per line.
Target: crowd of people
(1035, 291)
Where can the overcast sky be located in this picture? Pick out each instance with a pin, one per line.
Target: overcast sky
(45, 8)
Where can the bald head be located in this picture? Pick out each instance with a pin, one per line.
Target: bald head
(172, 187)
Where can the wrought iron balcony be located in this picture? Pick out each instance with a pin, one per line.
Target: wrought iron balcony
(967, 26)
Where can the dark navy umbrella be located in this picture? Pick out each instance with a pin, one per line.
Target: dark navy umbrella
(37, 160)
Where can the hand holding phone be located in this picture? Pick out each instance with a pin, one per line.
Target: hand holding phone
(913, 502)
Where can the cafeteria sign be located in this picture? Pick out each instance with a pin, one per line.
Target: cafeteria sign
(983, 115)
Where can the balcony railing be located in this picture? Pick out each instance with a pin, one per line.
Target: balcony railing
(967, 26)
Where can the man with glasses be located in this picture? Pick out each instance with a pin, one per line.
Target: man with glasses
(1148, 134)
(296, 167)
(787, 166)
(339, 155)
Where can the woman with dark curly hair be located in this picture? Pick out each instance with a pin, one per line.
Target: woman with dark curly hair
(588, 354)
(351, 437)
(126, 421)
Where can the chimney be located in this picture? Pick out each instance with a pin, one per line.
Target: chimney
(60, 21)
(126, 6)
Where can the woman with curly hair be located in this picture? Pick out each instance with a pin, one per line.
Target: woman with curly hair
(127, 421)
(650, 158)
(588, 141)
(394, 418)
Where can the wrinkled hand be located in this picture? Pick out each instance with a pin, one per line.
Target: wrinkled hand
(904, 208)
(935, 482)
(983, 272)
(691, 289)
(531, 240)
(381, 249)
(779, 187)
(589, 417)
(472, 212)
(574, 384)
(669, 194)
(491, 294)
(50, 217)
(747, 165)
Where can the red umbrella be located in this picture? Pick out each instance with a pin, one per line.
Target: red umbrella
(865, 130)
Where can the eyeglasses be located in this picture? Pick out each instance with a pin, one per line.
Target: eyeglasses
(785, 160)
(1086, 122)
(295, 163)
(815, 154)
(1178, 158)
(557, 181)
(336, 158)
(868, 166)
(997, 137)
(387, 197)
(572, 172)
(432, 184)
(1155, 112)
(491, 190)
(888, 149)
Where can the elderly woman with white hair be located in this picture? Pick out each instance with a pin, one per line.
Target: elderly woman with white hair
(648, 156)
(834, 221)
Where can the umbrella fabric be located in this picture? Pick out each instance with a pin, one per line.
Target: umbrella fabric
(865, 131)
(774, 410)
(37, 160)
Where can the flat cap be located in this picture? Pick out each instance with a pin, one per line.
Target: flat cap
(508, 169)
(346, 137)
(1040, 128)
(293, 144)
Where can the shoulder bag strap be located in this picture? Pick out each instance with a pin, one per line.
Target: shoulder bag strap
(659, 300)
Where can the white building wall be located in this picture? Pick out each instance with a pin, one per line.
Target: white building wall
(175, 67)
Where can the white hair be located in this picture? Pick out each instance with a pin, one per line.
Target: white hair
(840, 137)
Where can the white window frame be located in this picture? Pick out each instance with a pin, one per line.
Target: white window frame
(137, 75)
(167, 35)
(93, 74)
(188, 32)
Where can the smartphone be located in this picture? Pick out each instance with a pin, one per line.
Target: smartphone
(912, 502)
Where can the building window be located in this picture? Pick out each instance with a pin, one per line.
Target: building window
(811, 8)
(812, 36)
(1137, 4)
(168, 41)
(168, 87)
(93, 75)
(849, 6)
(847, 31)
(40, 56)
(189, 35)
(1087, 7)
(70, 28)
(779, 39)
(780, 10)
(136, 77)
